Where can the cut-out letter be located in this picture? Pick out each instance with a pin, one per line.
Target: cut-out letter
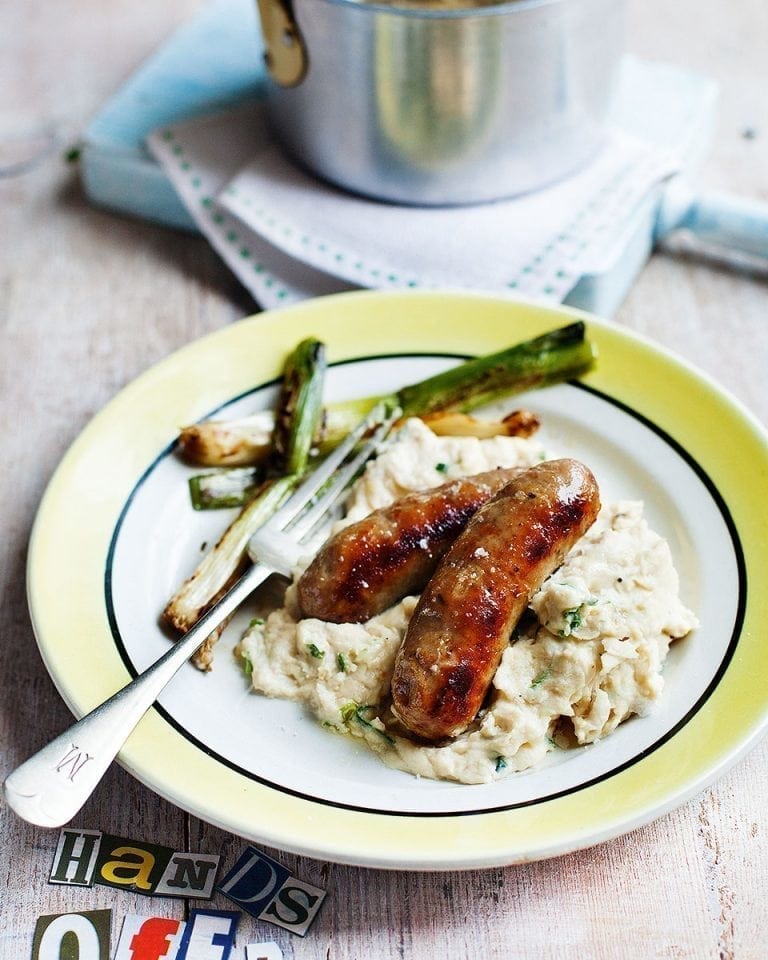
(72, 936)
(134, 871)
(295, 906)
(253, 881)
(75, 857)
(149, 938)
(189, 875)
(209, 935)
(263, 951)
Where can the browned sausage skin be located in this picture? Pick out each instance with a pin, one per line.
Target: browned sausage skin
(465, 616)
(372, 564)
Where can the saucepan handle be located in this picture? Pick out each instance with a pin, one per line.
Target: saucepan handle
(719, 221)
(285, 51)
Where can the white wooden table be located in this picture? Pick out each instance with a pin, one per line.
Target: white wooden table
(89, 300)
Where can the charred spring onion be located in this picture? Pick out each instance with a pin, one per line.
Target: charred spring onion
(285, 440)
(220, 564)
(551, 358)
(519, 423)
(299, 408)
(298, 416)
(241, 441)
(233, 487)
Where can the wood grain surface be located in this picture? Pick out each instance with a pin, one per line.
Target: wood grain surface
(88, 300)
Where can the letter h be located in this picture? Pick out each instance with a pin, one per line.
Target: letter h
(75, 859)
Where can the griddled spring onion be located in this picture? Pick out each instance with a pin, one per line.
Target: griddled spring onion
(241, 441)
(555, 356)
(244, 441)
(234, 487)
(451, 423)
(300, 407)
(220, 564)
(284, 437)
(298, 421)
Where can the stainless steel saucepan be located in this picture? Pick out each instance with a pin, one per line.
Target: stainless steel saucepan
(436, 103)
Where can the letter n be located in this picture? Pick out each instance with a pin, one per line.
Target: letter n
(189, 875)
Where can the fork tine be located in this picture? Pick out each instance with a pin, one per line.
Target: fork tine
(280, 546)
(341, 480)
(306, 490)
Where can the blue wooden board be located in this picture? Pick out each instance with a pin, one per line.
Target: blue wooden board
(211, 63)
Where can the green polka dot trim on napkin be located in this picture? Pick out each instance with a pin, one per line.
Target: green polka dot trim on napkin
(193, 157)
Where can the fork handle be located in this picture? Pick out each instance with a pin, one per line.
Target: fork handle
(50, 787)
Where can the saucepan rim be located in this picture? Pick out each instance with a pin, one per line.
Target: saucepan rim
(463, 13)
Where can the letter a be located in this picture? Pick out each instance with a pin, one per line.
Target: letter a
(128, 873)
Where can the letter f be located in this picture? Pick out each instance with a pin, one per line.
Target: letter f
(152, 940)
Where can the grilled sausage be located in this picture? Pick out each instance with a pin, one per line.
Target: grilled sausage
(465, 616)
(372, 564)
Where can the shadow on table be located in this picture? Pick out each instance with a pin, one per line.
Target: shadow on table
(183, 252)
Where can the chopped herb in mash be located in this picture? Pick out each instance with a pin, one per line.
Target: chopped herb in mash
(572, 620)
(353, 711)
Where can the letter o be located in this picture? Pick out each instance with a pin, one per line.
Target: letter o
(88, 944)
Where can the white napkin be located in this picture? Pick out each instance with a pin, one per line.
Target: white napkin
(289, 236)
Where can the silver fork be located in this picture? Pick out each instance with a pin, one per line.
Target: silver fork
(50, 787)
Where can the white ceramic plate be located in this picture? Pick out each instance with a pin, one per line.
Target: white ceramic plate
(649, 426)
